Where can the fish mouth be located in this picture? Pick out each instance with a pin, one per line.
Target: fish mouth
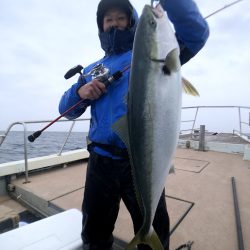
(157, 11)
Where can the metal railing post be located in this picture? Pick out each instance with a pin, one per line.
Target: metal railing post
(240, 120)
(192, 131)
(69, 133)
(25, 145)
(2, 137)
(25, 153)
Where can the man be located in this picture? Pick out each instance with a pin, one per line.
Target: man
(108, 177)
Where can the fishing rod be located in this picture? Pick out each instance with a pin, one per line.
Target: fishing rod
(223, 8)
(100, 73)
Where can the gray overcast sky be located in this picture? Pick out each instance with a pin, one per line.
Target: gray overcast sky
(42, 39)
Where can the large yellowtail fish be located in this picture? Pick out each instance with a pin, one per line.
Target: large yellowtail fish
(151, 127)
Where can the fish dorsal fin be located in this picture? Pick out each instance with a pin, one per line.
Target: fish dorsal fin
(188, 88)
(172, 61)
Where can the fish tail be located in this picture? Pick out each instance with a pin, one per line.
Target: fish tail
(151, 240)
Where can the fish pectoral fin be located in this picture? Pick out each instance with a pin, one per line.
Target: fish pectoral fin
(120, 127)
(189, 88)
(172, 62)
(151, 240)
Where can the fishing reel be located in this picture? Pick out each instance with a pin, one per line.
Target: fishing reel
(99, 72)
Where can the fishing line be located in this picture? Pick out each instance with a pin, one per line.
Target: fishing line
(107, 82)
(223, 8)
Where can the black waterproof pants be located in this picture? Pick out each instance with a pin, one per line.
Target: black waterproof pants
(107, 182)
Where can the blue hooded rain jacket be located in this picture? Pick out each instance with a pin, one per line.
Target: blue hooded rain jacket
(191, 31)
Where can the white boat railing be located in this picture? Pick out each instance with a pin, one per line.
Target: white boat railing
(25, 136)
(191, 130)
(241, 123)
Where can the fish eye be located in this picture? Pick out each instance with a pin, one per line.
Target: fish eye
(152, 23)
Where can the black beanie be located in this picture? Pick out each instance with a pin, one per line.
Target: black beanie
(105, 5)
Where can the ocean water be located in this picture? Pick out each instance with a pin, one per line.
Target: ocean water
(12, 149)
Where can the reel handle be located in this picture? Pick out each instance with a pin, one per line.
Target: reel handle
(73, 71)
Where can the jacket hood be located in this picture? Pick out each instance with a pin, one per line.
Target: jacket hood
(124, 5)
(116, 41)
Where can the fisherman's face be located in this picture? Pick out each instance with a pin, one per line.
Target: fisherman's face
(115, 18)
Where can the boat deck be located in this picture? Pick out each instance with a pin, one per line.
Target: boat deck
(199, 198)
(218, 137)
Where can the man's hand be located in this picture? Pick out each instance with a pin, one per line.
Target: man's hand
(92, 90)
